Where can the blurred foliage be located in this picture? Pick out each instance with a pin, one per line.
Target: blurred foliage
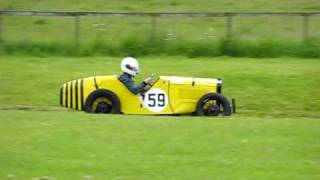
(193, 37)
(163, 5)
(137, 47)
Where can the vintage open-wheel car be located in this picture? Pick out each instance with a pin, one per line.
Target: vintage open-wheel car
(166, 95)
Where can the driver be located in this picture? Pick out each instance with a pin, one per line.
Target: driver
(130, 68)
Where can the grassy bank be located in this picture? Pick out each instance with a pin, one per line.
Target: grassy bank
(276, 87)
(261, 36)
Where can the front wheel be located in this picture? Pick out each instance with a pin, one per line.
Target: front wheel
(102, 101)
(213, 104)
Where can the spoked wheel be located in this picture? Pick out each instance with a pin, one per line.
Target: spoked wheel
(102, 101)
(102, 105)
(213, 105)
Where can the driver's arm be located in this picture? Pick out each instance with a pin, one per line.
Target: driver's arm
(130, 85)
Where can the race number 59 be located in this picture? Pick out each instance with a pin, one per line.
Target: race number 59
(156, 100)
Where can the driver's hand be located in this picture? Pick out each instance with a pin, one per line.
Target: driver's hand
(148, 80)
(147, 87)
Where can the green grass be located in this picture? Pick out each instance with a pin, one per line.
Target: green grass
(110, 35)
(67, 145)
(165, 5)
(275, 135)
(277, 87)
(142, 47)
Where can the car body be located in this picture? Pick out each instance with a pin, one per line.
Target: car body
(167, 95)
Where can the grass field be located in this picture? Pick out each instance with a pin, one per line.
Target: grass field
(274, 136)
(69, 145)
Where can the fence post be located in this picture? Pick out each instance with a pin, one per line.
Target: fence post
(77, 29)
(229, 26)
(305, 27)
(1, 27)
(153, 29)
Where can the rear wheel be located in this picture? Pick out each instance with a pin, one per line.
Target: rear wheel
(213, 105)
(102, 101)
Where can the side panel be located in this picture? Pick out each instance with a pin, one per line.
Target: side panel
(132, 103)
(184, 97)
(89, 86)
(157, 99)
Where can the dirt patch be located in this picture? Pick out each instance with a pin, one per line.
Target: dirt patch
(32, 108)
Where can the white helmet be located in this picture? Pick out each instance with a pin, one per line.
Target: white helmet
(130, 65)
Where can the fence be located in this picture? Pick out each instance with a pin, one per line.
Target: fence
(154, 16)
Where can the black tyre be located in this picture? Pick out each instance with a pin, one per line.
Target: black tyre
(213, 105)
(102, 101)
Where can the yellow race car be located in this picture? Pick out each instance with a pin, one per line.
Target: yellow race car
(166, 95)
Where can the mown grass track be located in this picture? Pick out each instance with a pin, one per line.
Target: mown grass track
(269, 87)
(69, 145)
